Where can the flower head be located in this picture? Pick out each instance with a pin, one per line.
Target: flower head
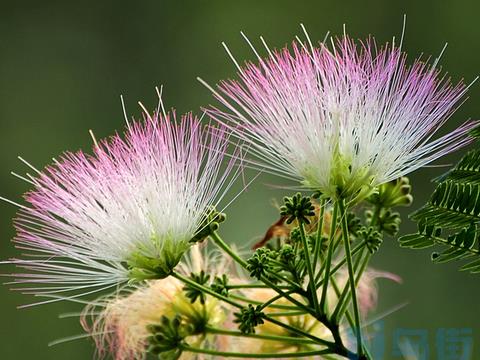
(128, 211)
(341, 119)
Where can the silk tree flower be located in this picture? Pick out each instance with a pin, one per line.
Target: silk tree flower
(128, 211)
(341, 119)
(120, 324)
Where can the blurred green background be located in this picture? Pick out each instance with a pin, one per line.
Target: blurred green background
(63, 66)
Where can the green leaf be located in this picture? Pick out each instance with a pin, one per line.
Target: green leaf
(452, 205)
(467, 170)
(416, 241)
(457, 246)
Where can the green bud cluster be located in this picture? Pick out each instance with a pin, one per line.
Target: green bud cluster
(166, 338)
(220, 285)
(373, 238)
(393, 193)
(194, 293)
(388, 221)
(354, 224)
(297, 207)
(210, 223)
(259, 263)
(248, 318)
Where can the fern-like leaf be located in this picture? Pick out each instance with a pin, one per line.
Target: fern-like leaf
(450, 219)
(453, 205)
(462, 245)
(467, 170)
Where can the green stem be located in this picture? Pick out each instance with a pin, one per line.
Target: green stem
(311, 274)
(342, 262)
(276, 298)
(192, 283)
(287, 313)
(228, 354)
(296, 340)
(376, 215)
(284, 279)
(317, 250)
(287, 296)
(346, 296)
(328, 260)
(351, 275)
(349, 317)
(300, 332)
(205, 289)
(220, 243)
(268, 303)
(248, 286)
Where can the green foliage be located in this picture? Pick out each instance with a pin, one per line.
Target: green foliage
(297, 207)
(461, 245)
(466, 171)
(453, 205)
(451, 217)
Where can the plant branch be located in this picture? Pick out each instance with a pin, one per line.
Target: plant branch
(351, 275)
(189, 348)
(328, 260)
(292, 339)
(317, 250)
(311, 275)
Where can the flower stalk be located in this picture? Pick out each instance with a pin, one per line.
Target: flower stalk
(351, 276)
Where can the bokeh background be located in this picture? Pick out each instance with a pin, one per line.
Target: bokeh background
(63, 66)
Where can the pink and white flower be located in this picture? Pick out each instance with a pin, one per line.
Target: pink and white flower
(140, 198)
(341, 119)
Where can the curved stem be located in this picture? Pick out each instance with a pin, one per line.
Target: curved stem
(224, 246)
(272, 300)
(350, 319)
(292, 339)
(228, 354)
(344, 298)
(269, 303)
(300, 332)
(351, 275)
(287, 313)
(247, 286)
(221, 244)
(295, 330)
